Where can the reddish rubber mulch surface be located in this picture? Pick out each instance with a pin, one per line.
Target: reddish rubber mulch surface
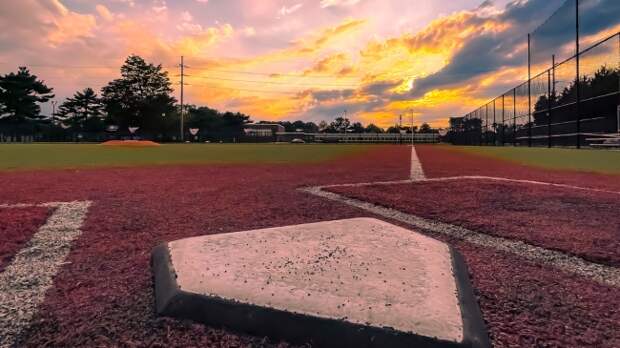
(582, 223)
(528, 305)
(17, 226)
(103, 295)
(442, 161)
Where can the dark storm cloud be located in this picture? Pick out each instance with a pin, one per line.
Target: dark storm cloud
(492, 51)
(380, 88)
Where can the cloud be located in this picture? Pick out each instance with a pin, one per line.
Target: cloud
(489, 43)
(330, 64)
(104, 12)
(335, 3)
(285, 11)
(249, 31)
(186, 16)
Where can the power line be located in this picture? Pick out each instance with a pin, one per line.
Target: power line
(66, 66)
(245, 90)
(167, 67)
(273, 82)
(273, 74)
(182, 66)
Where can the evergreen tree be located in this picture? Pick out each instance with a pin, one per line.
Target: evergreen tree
(20, 95)
(140, 97)
(372, 128)
(83, 110)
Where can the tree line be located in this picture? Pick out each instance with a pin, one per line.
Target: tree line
(140, 97)
(344, 125)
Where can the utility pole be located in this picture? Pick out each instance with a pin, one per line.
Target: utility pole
(400, 126)
(182, 66)
(411, 110)
(344, 126)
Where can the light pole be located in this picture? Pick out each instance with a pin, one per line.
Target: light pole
(411, 110)
(54, 102)
(344, 126)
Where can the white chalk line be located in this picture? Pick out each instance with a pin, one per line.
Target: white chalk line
(24, 282)
(607, 275)
(601, 273)
(472, 177)
(416, 172)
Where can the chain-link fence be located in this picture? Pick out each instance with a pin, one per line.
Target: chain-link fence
(554, 107)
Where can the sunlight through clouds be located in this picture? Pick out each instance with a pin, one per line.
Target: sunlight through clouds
(288, 60)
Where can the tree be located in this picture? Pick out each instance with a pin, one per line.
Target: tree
(140, 97)
(307, 127)
(20, 94)
(339, 125)
(323, 126)
(394, 129)
(373, 128)
(216, 125)
(425, 128)
(83, 110)
(357, 127)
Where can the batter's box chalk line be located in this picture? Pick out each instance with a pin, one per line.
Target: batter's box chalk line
(600, 273)
(24, 282)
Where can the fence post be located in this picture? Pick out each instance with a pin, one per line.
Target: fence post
(486, 124)
(503, 122)
(514, 115)
(549, 107)
(494, 125)
(529, 93)
(577, 82)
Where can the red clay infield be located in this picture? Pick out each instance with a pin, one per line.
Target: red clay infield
(583, 223)
(103, 295)
(17, 226)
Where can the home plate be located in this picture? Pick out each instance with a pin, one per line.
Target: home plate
(347, 283)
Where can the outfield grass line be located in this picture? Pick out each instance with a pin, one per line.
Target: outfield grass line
(581, 160)
(24, 282)
(603, 274)
(19, 157)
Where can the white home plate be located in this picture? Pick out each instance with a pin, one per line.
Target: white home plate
(357, 282)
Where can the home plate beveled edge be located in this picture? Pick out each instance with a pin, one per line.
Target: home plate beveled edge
(348, 283)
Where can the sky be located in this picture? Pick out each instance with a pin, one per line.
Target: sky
(295, 59)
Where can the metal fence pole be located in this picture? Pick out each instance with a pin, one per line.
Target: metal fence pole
(529, 93)
(549, 107)
(514, 115)
(494, 125)
(503, 122)
(486, 124)
(577, 82)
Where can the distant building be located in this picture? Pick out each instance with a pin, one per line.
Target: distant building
(262, 131)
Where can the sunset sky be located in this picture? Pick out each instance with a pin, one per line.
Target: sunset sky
(288, 59)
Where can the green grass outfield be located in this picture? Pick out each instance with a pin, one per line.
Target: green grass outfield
(62, 156)
(587, 160)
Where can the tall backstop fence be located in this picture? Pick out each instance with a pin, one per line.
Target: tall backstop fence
(572, 102)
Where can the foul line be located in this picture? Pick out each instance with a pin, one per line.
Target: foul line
(607, 275)
(416, 172)
(24, 282)
(473, 177)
